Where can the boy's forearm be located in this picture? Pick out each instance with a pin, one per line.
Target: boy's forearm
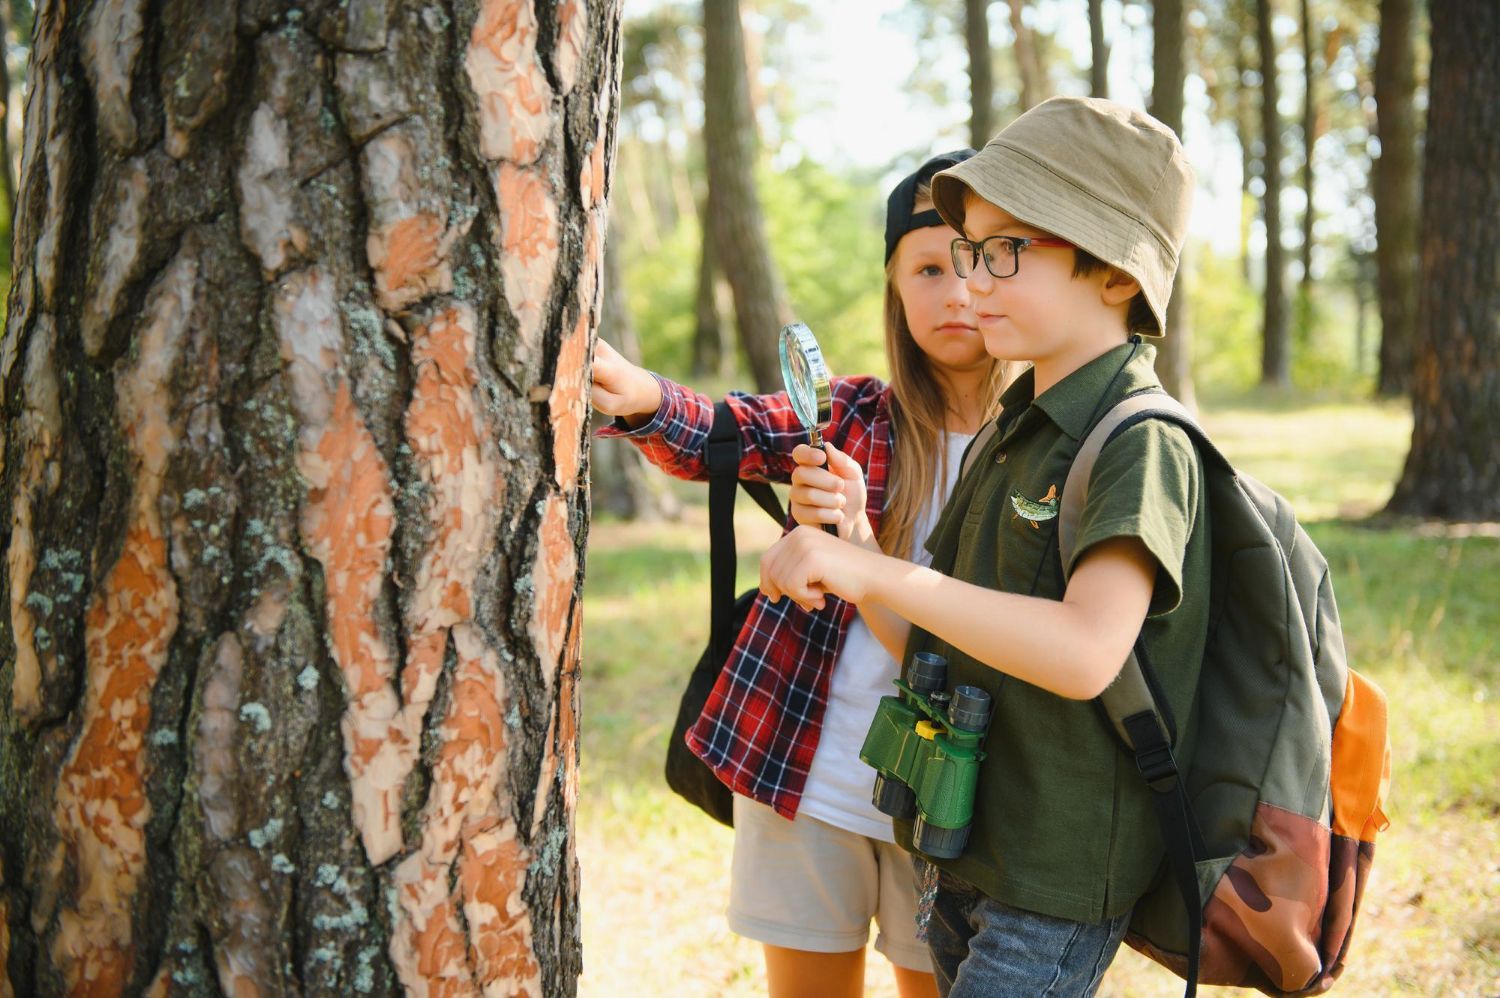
(890, 628)
(1059, 646)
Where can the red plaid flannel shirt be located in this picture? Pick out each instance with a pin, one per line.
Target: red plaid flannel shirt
(760, 727)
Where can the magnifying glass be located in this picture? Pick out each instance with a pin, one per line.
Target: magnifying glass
(806, 378)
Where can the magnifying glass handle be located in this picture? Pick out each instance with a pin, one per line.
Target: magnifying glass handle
(815, 439)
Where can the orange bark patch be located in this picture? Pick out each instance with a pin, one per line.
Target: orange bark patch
(491, 874)
(406, 255)
(528, 236)
(467, 831)
(572, 36)
(457, 462)
(515, 101)
(101, 806)
(555, 575)
(595, 170)
(567, 406)
(101, 799)
(347, 525)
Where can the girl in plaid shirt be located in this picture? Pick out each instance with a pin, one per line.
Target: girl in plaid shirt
(813, 860)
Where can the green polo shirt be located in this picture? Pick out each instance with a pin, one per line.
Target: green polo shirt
(1063, 823)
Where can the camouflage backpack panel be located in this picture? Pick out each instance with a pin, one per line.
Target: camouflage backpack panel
(1289, 834)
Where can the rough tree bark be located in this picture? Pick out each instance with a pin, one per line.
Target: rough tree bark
(1397, 201)
(295, 429)
(1453, 469)
(737, 223)
(1275, 357)
(1099, 49)
(1174, 356)
(981, 72)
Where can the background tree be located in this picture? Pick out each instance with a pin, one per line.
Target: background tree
(1029, 63)
(1174, 357)
(981, 80)
(1276, 360)
(1395, 183)
(1309, 144)
(1099, 50)
(294, 428)
(620, 483)
(1453, 469)
(736, 223)
(713, 341)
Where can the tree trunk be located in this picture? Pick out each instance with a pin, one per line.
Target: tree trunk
(1275, 358)
(619, 481)
(1028, 60)
(294, 434)
(1099, 48)
(739, 231)
(1244, 126)
(713, 346)
(1309, 141)
(7, 174)
(1453, 469)
(1174, 353)
(1396, 184)
(981, 73)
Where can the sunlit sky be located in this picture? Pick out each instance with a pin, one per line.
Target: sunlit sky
(858, 58)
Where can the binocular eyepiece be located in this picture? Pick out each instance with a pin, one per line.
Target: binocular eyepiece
(924, 747)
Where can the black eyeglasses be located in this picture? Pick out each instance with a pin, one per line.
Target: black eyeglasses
(1002, 254)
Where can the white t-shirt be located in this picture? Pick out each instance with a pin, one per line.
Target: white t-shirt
(839, 785)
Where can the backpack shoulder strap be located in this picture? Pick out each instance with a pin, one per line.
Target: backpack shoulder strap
(722, 457)
(1129, 702)
(971, 453)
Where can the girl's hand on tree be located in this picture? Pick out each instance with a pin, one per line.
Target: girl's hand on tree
(829, 488)
(622, 388)
(807, 564)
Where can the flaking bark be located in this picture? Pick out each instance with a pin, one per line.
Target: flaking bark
(294, 453)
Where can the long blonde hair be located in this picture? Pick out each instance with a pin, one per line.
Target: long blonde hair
(918, 421)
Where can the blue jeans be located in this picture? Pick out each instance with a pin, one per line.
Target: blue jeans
(981, 947)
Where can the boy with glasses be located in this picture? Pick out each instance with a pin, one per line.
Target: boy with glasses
(1071, 219)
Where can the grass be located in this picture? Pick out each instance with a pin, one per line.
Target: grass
(1420, 617)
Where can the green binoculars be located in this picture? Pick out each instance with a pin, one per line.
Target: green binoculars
(924, 747)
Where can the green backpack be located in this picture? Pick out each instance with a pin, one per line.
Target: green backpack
(1270, 833)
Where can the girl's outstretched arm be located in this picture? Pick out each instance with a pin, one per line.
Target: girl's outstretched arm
(623, 389)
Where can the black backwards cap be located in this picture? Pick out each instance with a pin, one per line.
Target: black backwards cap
(899, 218)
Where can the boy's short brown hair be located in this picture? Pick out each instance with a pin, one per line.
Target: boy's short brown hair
(1111, 180)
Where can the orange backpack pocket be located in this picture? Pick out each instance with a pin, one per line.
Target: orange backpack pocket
(1361, 774)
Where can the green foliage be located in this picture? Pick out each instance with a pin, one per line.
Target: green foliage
(1226, 317)
(825, 232)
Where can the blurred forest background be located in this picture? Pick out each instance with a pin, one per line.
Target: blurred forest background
(1337, 324)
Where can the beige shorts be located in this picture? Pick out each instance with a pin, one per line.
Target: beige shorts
(808, 885)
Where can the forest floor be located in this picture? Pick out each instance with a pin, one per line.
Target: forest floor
(1421, 617)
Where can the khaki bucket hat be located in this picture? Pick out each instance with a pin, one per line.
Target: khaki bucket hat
(1109, 179)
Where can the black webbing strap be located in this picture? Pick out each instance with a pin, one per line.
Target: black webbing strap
(1179, 828)
(722, 456)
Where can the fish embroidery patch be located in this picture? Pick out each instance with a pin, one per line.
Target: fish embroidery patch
(1035, 510)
